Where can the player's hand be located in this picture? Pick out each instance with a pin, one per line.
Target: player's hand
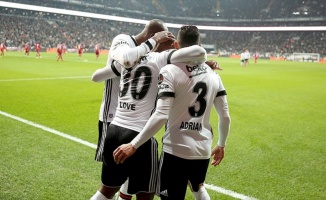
(213, 65)
(124, 151)
(218, 155)
(163, 36)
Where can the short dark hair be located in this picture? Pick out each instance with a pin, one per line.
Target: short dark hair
(188, 36)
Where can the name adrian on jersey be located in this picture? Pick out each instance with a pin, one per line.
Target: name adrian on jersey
(195, 126)
(197, 70)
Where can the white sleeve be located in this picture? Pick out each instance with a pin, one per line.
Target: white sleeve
(128, 56)
(222, 109)
(189, 55)
(155, 122)
(108, 72)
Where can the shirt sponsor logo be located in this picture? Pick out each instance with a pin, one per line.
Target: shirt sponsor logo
(160, 85)
(163, 87)
(195, 126)
(121, 42)
(196, 70)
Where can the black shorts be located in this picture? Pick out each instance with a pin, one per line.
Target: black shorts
(141, 168)
(102, 131)
(176, 172)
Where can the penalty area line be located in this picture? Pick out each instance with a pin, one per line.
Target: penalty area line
(80, 141)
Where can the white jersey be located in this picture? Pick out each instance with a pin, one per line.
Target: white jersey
(242, 56)
(111, 88)
(138, 91)
(246, 55)
(188, 132)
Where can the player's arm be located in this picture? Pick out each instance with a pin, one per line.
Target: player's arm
(222, 109)
(193, 55)
(110, 71)
(189, 55)
(153, 125)
(128, 56)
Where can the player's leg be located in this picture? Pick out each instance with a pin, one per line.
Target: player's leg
(201, 194)
(113, 175)
(104, 191)
(102, 131)
(143, 167)
(100, 140)
(123, 194)
(173, 177)
(99, 195)
(197, 176)
(98, 157)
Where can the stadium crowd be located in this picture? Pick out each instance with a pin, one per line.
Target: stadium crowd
(223, 9)
(21, 26)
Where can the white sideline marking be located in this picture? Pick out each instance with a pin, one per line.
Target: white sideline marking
(49, 130)
(228, 192)
(208, 186)
(37, 79)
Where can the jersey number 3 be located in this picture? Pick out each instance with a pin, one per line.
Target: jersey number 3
(200, 89)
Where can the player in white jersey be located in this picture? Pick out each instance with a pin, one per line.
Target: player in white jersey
(122, 44)
(246, 58)
(186, 96)
(242, 59)
(138, 90)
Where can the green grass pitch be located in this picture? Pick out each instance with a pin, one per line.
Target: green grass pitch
(276, 148)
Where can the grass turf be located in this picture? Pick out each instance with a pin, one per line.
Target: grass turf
(275, 149)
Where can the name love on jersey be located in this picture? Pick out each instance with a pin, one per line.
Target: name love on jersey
(128, 106)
